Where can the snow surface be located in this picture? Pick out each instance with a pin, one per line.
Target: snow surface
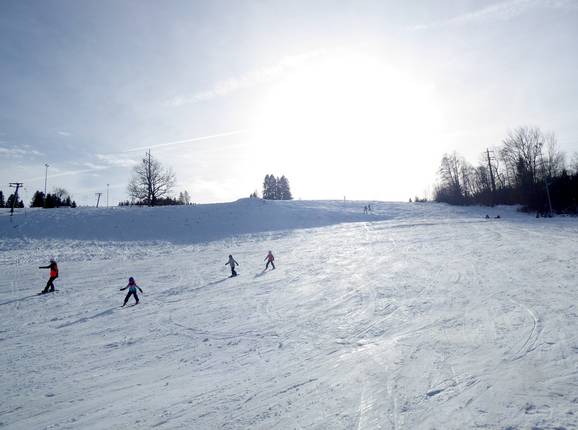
(417, 316)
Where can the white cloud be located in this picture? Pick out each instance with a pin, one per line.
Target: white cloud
(191, 140)
(64, 133)
(113, 160)
(250, 79)
(504, 11)
(18, 152)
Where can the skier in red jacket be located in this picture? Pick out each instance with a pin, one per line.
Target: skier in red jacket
(269, 259)
(53, 275)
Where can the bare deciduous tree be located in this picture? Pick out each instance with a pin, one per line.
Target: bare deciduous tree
(554, 160)
(574, 163)
(450, 171)
(521, 152)
(150, 181)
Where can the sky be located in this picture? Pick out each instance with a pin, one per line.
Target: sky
(355, 99)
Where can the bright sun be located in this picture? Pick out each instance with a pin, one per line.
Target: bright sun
(351, 117)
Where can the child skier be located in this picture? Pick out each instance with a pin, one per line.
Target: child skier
(132, 287)
(269, 259)
(232, 263)
(53, 275)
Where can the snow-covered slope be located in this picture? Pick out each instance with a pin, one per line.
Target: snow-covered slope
(177, 224)
(417, 317)
(202, 223)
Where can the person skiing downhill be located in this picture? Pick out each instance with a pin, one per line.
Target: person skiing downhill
(269, 259)
(232, 263)
(132, 287)
(53, 275)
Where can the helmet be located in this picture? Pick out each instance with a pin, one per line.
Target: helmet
(131, 279)
(52, 260)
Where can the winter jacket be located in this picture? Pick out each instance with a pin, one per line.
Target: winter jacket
(131, 288)
(53, 269)
(232, 263)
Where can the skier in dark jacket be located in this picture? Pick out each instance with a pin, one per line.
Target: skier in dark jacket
(232, 263)
(132, 287)
(269, 259)
(53, 275)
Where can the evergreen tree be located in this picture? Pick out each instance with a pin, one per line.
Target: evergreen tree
(2, 203)
(270, 188)
(283, 189)
(19, 203)
(276, 188)
(37, 200)
(59, 198)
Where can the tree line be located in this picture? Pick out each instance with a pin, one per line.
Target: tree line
(59, 198)
(151, 184)
(10, 201)
(526, 169)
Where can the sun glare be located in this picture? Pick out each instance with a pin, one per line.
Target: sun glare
(353, 116)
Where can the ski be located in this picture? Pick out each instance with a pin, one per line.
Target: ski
(47, 292)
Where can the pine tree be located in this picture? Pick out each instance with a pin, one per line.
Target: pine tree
(37, 200)
(266, 195)
(2, 203)
(283, 189)
(270, 188)
(19, 203)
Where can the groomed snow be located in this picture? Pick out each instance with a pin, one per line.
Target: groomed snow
(417, 316)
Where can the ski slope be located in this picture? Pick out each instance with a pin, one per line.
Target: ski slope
(418, 316)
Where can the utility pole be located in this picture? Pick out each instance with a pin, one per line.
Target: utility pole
(107, 185)
(97, 198)
(548, 194)
(45, 179)
(16, 185)
(149, 179)
(547, 183)
(491, 177)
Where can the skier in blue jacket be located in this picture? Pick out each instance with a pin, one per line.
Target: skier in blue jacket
(132, 287)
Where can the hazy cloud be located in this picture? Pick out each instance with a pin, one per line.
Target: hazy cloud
(259, 76)
(18, 152)
(113, 160)
(504, 11)
(193, 139)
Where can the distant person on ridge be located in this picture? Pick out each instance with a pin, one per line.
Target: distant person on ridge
(53, 275)
(269, 259)
(233, 264)
(132, 287)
